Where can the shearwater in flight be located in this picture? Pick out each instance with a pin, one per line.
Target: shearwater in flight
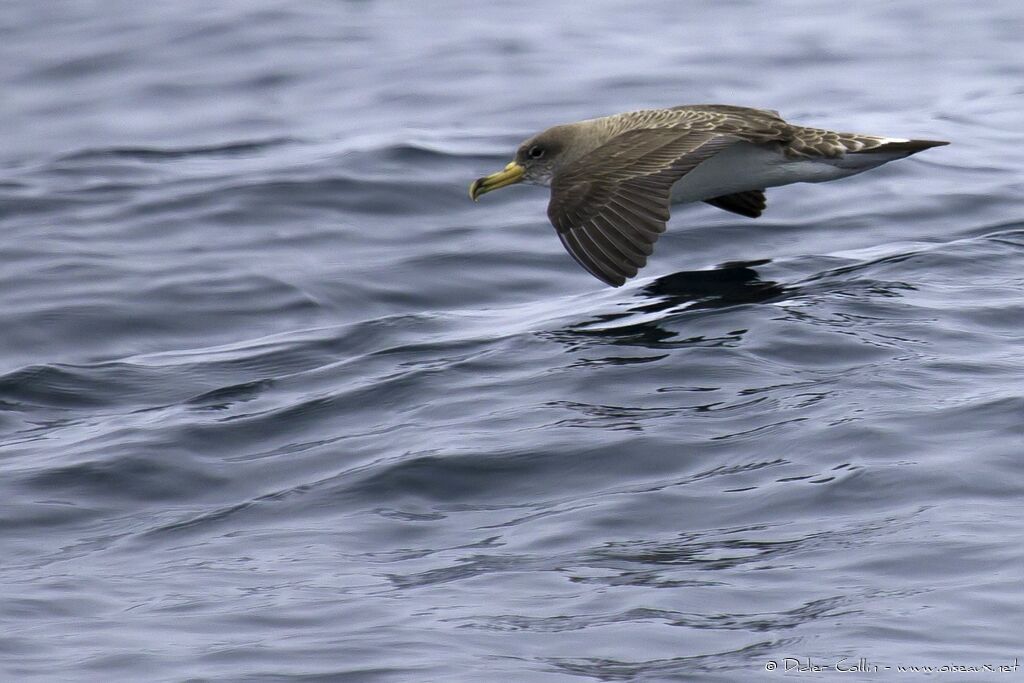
(612, 179)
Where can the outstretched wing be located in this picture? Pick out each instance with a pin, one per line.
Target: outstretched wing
(611, 205)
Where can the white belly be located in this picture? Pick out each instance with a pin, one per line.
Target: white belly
(746, 166)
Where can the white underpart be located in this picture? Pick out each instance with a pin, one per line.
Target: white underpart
(746, 166)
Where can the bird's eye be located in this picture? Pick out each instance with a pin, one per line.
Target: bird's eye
(535, 152)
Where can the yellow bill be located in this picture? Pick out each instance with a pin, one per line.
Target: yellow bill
(511, 174)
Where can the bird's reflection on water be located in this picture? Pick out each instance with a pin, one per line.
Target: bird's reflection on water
(731, 284)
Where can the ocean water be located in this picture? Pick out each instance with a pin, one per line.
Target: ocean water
(278, 402)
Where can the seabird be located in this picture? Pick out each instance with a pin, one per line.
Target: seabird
(612, 179)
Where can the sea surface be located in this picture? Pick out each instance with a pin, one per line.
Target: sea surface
(278, 402)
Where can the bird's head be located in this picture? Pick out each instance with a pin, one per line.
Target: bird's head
(537, 160)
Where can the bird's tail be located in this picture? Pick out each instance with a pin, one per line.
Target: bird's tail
(820, 143)
(906, 147)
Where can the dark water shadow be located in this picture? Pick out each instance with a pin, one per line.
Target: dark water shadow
(730, 284)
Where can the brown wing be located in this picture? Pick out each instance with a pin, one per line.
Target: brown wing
(611, 205)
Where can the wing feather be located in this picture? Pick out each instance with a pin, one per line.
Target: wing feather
(610, 206)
